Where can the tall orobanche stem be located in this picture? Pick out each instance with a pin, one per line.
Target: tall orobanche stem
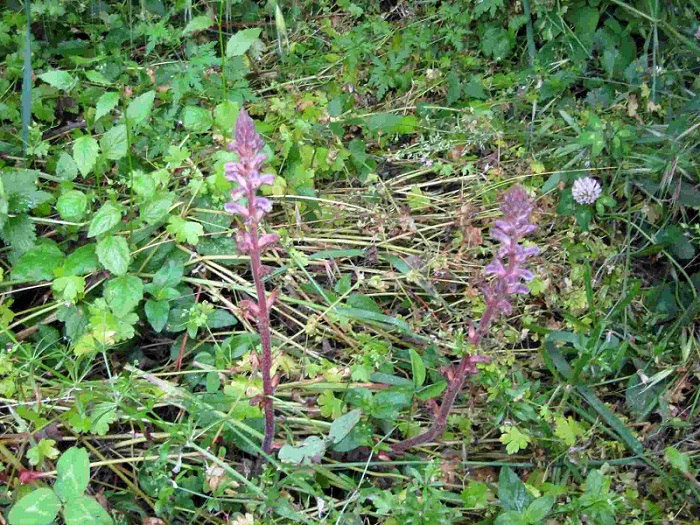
(252, 208)
(509, 271)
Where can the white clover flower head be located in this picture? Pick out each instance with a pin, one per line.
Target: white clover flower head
(586, 190)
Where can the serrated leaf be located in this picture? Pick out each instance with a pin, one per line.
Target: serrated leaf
(123, 294)
(113, 254)
(343, 425)
(241, 42)
(85, 511)
(225, 115)
(185, 231)
(38, 264)
(72, 474)
(569, 430)
(66, 168)
(81, 262)
(72, 206)
(196, 119)
(310, 451)
(114, 143)
(106, 103)
(58, 79)
(418, 369)
(69, 288)
(677, 459)
(198, 23)
(140, 108)
(39, 507)
(157, 313)
(157, 208)
(106, 218)
(85, 151)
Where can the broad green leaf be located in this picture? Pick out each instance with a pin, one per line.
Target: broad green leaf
(538, 510)
(225, 115)
(39, 507)
(512, 491)
(85, 511)
(185, 231)
(85, 151)
(157, 208)
(69, 288)
(512, 517)
(241, 42)
(310, 451)
(97, 78)
(38, 264)
(82, 261)
(157, 313)
(220, 319)
(342, 426)
(123, 294)
(58, 79)
(72, 474)
(196, 119)
(66, 168)
(198, 23)
(72, 205)
(418, 369)
(677, 459)
(106, 103)
(168, 276)
(140, 108)
(113, 254)
(106, 218)
(114, 143)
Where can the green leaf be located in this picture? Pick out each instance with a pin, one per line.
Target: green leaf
(196, 119)
(514, 439)
(58, 79)
(496, 42)
(310, 451)
(225, 115)
(538, 510)
(343, 425)
(46, 448)
(512, 517)
(66, 168)
(106, 218)
(140, 108)
(97, 78)
(431, 391)
(123, 294)
(72, 205)
(81, 262)
(72, 474)
(476, 495)
(569, 430)
(155, 210)
(85, 511)
(113, 254)
(38, 264)
(677, 459)
(220, 319)
(85, 151)
(157, 314)
(198, 23)
(69, 288)
(114, 143)
(106, 103)
(168, 276)
(241, 42)
(185, 231)
(512, 492)
(417, 368)
(39, 507)
(487, 6)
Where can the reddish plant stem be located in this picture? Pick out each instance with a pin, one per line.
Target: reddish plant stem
(263, 330)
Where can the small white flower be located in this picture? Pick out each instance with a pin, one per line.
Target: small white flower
(586, 190)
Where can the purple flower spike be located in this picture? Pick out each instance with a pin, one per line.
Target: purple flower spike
(247, 141)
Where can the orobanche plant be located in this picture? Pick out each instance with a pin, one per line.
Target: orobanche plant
(509, 273)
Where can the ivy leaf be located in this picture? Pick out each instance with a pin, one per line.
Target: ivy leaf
(58, 79)
(114, 143)
(85, 151)
(310, 451)
(514, 439)
(39, 507)
(157, 313)
(140, 108)
(106, 103)
(106, 218)
(113, 254)
(85, 511)
(72, 474)
(185, 231)
(72, 205)
(123, 294)
(241, 42)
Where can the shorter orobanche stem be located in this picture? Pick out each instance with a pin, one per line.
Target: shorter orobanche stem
(253, 208)
(509, 270)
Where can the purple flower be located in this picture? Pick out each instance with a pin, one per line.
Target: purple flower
(586, 190)
(507, 266)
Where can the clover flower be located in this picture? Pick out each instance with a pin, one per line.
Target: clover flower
(586, 190)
